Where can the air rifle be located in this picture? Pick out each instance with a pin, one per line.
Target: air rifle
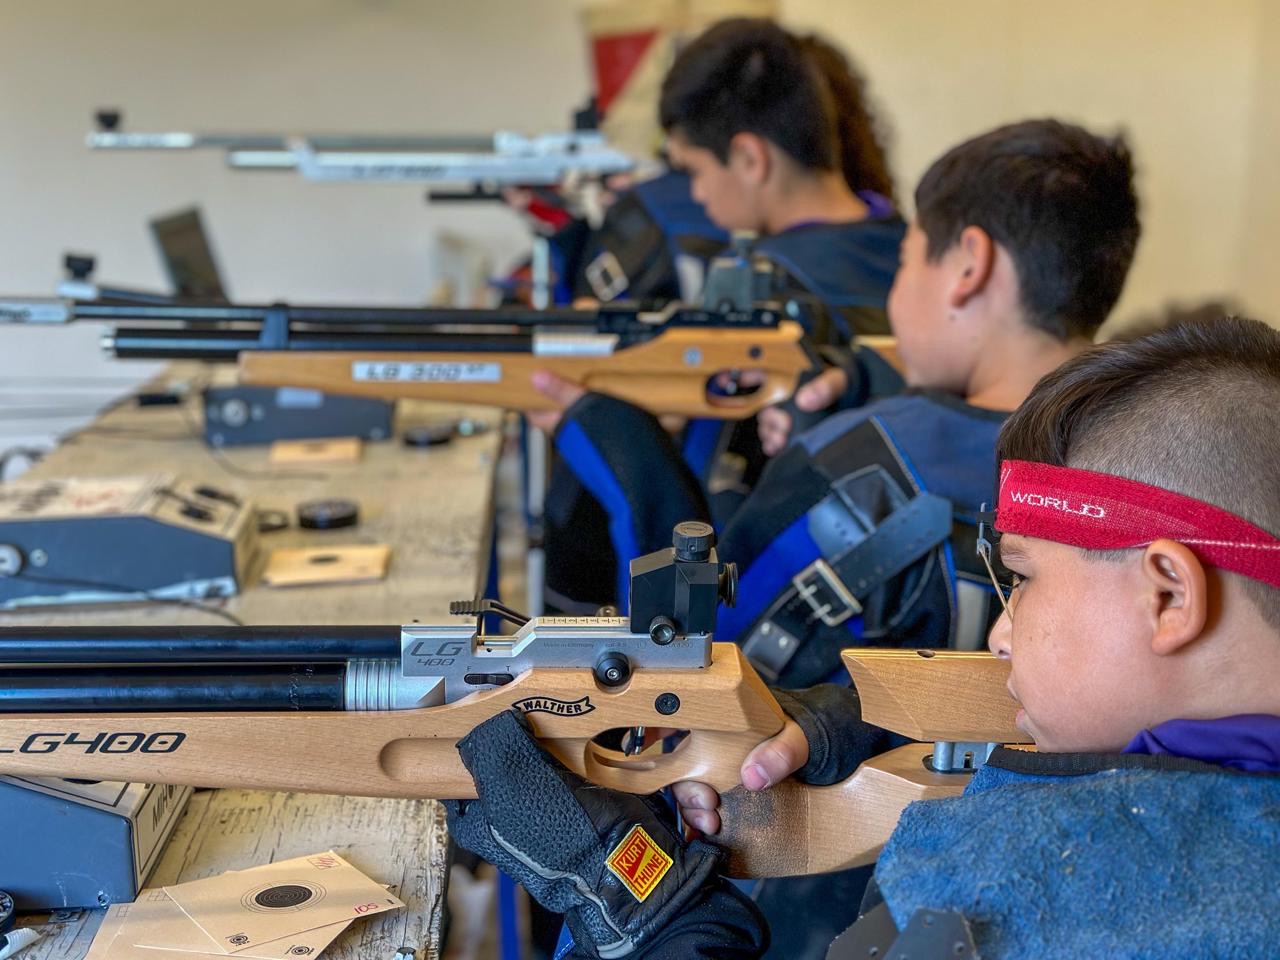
(662, 361)
(378, 711)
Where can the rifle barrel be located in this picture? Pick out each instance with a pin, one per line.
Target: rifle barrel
(197, 644)
(175, 343)
(189, 311)
(142, 689)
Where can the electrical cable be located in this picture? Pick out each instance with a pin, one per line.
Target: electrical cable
(147, 597)
(221, 459)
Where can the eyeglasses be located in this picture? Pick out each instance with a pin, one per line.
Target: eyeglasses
(986, 550)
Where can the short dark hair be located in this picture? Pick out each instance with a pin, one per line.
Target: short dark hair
(1194, 408)
(1059, 199)
(750, 75)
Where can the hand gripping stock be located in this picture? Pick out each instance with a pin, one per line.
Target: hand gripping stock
(958, 699)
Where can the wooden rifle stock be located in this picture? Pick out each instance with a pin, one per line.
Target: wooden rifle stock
(792, 828)
(666, 375)
(412, 753)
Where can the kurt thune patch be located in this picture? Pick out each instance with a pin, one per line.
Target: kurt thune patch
(639, 863)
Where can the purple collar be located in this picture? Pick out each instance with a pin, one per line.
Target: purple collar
(878, 208)
(1249, 741)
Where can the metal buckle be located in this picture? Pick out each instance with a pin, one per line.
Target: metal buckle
(813, 578)
(606, 277)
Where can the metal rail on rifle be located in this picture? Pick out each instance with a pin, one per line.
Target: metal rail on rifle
(502, 159)
(377, 711)
(663, 361)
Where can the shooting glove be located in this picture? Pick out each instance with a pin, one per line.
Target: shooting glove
(612, 862)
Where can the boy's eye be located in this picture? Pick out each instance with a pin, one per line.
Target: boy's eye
(1016, 580)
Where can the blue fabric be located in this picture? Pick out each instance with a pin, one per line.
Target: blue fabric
(842, 264)
(594, 472)
(768, 576)
(949, 451)
(508, 919)
(879, 207)
(701, 438)
(564, 946)
(669, 200)
(944, 446)
(1126, 863)
(1244, 742)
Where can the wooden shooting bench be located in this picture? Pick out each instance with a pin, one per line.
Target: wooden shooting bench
(435, 508)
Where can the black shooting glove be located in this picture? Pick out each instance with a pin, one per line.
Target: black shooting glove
(612, 862)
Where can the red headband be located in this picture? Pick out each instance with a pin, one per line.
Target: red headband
(1098, 511)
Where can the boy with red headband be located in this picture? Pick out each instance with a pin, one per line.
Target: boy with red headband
(1137, 511)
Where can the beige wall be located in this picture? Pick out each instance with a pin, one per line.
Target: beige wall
(378, 66)
(1258, 245)
(1182, 77)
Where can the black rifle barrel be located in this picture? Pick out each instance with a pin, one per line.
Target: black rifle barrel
(194, 644)
(214, 312)
(151, 343)
(144, 689)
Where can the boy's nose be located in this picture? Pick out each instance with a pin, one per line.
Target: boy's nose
(1000, 639)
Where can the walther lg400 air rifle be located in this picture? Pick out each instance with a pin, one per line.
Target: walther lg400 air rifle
(377, 711)
(662, 361)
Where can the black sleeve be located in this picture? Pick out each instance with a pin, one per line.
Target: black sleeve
(723, 924)
(869, 374)
(831, 718)
(628, 462)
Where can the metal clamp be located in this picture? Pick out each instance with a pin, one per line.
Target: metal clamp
(822, 589)
(958, 756)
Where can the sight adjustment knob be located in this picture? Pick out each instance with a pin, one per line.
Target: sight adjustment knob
(693, 541)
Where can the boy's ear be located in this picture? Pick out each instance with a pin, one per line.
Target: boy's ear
(974, 257)
(749, 157)
(1180, 598)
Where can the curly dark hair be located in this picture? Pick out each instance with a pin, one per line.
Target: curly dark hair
(862, 135)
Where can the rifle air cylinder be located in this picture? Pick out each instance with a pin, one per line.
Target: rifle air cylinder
(143, 689)
(192, 644)
(157, 343)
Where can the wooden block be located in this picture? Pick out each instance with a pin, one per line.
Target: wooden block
(285, 453)
(316, 565)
